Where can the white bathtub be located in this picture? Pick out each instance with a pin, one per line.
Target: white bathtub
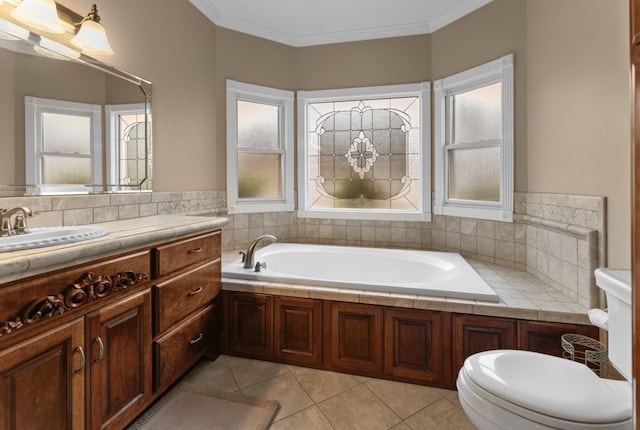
(443, 274)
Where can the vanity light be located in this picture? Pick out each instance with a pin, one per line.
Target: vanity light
(40, 14)
(10, 31)
(92, 38)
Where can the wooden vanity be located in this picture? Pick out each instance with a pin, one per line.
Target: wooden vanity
(93, 344)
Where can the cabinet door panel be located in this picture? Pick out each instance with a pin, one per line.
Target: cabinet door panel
(417, 345)
(250, 324)
(353, 337)
(298, 330)
(42, 381)
(474, 333)
(545, 337)
(120, 361)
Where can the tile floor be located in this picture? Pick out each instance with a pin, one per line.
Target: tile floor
(313, 399)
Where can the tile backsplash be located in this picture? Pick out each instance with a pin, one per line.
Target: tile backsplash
(559, 238)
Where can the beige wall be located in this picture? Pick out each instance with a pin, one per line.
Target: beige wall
(8, 143)
(578, 120)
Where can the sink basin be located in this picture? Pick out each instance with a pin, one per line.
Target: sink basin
(49, 236)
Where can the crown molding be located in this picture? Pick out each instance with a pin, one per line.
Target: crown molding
(208, 8)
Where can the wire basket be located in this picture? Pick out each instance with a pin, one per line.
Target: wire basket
(586, 350)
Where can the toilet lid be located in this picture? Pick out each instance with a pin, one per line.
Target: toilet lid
(550, 385)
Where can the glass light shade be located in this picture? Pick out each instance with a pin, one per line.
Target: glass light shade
(39, 14)
(92, 38)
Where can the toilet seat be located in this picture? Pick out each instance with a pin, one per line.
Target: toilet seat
(539, 388)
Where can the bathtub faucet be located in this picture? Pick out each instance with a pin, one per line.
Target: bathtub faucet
(248, 258)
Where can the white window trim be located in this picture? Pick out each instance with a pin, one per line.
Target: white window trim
(284, 99)
(500, 70)
(34, 108)
(111, 137)
(421, 90)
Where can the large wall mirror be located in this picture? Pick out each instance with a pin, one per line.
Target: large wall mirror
(68, 123)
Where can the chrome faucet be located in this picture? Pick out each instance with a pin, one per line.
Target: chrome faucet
(20, 223)
(248, 257)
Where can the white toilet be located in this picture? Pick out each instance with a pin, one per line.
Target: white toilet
(510, 389)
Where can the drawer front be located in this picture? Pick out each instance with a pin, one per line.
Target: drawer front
(184, 294)
(178, 255)
(179, 349)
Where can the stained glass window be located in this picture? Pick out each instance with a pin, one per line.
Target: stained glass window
(365, 154)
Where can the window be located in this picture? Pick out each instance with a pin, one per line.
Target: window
(63, 146)
(128, 153)
(360, 153)
(259, 148)
(474, 142)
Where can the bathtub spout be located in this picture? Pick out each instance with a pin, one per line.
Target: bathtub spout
(248, 260)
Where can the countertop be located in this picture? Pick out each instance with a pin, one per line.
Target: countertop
(124, 236)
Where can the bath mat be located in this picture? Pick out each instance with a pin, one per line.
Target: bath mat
(194, 407)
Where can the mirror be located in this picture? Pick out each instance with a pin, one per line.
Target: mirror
(42, 84)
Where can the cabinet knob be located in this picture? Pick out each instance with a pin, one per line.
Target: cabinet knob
(196, 339)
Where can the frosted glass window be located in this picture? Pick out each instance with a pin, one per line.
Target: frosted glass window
(474, 174)
(259, 175)
(66, 133)
(477, 114)
(258, 125)
(65, 170)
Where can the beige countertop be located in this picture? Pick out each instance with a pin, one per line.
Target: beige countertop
(124, 236)
(522, 295)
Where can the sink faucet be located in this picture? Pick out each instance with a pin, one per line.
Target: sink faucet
(19, 224)
(248, 257)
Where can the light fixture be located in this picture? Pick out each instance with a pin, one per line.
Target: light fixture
(40, 14)
(92, 38)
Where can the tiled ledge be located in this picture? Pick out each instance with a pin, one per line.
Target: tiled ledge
(522, 296)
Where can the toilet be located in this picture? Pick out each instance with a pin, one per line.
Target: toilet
(512, 389)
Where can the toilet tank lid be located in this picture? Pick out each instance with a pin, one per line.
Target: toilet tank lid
(551, 386)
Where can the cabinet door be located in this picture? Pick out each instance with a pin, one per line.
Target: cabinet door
(249, 325)
(120, 343)
(417, 346)
(352, 336)
(42, 381)
(298, 330)
(474, 333)
(545, 336)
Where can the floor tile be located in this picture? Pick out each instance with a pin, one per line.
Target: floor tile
(320, 384)
(358, 409)
(404, 399)
(441, 415)
(214, 373)
(286, 390)
(249, 372)
(401, 426)
(308, 419)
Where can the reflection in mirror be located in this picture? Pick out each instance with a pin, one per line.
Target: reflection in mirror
(70, 123)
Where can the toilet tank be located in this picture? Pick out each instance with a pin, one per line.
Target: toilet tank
(617, 286)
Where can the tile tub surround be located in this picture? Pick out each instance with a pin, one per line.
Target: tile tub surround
(124, 236)
(522, 295)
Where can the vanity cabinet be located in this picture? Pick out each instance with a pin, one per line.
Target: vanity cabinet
(84, 347)
(540, 336)
(42, 380)
(477, 333)
(297, 329)
(248, 324)
(417, 346)
(186, 285)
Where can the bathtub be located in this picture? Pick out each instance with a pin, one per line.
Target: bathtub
(442, 274)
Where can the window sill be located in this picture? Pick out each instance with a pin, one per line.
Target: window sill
(370, 215)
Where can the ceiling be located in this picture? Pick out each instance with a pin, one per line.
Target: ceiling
(311, 22)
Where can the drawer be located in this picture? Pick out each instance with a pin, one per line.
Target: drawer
(175, 352)
(184, 294)
(183, 253)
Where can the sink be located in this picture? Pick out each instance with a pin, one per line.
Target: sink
(40, 237)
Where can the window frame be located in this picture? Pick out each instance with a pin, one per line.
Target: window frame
(35, 107)
(239, 91)
(500, 70)
(421, 90)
